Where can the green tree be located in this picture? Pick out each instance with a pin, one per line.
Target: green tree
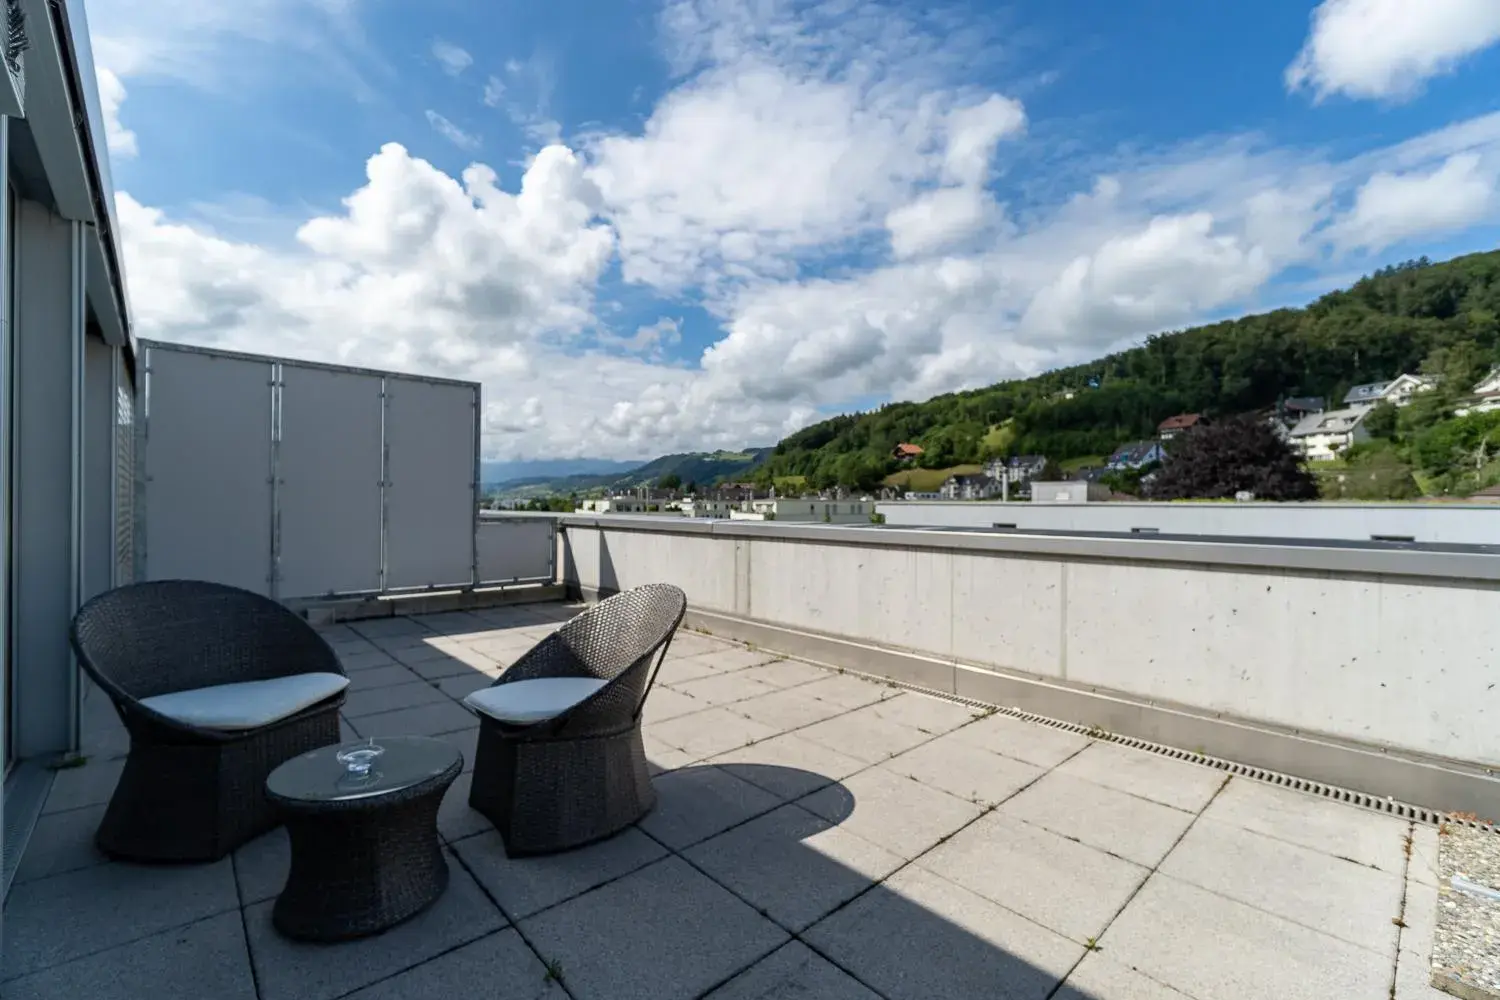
(670, 481)
(1380, 422)
(1223, 458)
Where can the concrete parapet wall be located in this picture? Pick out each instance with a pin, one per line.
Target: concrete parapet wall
(1390, 653)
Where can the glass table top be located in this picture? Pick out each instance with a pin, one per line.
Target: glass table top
(362, 769)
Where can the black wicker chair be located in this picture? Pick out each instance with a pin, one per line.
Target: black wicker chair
(578, 776)
(189, 793)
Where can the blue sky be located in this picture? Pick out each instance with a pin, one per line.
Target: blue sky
(651, 226)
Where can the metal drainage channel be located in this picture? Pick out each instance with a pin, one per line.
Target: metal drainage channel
(1361, 800)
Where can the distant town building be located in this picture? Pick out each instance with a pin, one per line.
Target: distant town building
(1323, 436)
(921, 495)
(1292, 409)
(1135, 455)
(1180, 424)
(703, 507)
(1071, 491)
(1398, 390)
(1020, 468)
(976, 486)
(806, 510)
(1486, 395)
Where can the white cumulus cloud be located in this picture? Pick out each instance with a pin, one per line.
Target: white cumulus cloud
(1391, 207)
(121, 140)
(1387, 49)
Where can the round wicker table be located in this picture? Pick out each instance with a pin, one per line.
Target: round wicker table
(363, 832)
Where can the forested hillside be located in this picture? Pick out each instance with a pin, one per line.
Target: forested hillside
(1441, 319)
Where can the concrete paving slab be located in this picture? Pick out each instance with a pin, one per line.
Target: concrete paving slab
(661, 758)
(933, 716)
(1213, 948)
(1414, 980)
(1355, 903)
(848, 691)
(1324, 825)
(864, 735)
(1063, 885)
(734, 658)
(1025, 741)
(456, 820)
(899, 814)
(1422, 867)
(57, 919)
(666, 932)
(710, 732)
(503, 649)
(375, 629)
(680, 670)
(793, 972)
(466, 740)
(261, 866)
(525, 886)
(663, 703)
(1161, 779)
(366, 659)
(379, 677)
(498, 967)
(62, 842)
(686, 644)
(788, 765)
(461, 686)
(1123, 825)
(721, 689)
(390, 699)
(789, 708)
(694, 803)
(922, 937)
(788, 673)
(89, 785)
(964, 770)
(424, 720)
(297, 970)
(793, 866)
(204, 959)
(1420, 916)
(457, 663)
(1099, 978)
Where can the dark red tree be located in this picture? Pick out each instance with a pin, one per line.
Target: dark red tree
(1221, 459)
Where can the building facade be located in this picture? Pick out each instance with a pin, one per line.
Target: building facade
(67, 392)
(807, 511)
(1324, 436)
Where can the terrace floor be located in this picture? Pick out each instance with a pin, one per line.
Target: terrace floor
(818, 835)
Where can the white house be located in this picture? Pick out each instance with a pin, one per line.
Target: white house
(626, 505)
(1486, 395)
(698, 507)
(1020, 468)
(971, 487)
(1323, 436)
(806, 510)
(1398, 391)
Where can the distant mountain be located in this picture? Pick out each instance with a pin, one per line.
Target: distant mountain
(700, 467)
(492, 473)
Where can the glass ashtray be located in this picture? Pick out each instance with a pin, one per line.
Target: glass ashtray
(359, 760)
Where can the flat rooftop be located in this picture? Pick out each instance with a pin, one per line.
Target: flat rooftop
(818, 835)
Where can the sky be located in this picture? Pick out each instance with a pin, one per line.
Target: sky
(649, 226)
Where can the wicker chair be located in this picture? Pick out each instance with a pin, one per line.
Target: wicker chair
(189, 792)
(579, 775)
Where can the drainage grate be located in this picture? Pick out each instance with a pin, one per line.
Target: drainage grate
(1361, 800)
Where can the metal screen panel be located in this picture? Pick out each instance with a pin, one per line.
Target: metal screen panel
(431, 473)
(208, 469)
(124, 484)
(516, 550)
(328, 482)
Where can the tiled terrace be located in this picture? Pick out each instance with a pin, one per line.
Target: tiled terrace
(818, 836)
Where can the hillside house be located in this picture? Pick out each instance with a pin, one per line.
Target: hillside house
(1324, 436)
(1293, 409)
(1135, 455)
(1020, 468)
(1180, 424)
(1398, 390)
(1486, 395)
(906, 452)
(977, 486)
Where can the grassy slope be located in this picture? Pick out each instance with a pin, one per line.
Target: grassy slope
(928, 480)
